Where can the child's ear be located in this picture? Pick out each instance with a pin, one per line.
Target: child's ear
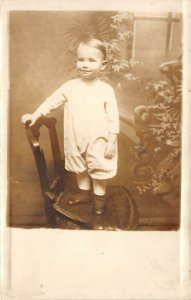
(104, 65)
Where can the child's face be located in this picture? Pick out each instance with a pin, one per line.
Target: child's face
(90, 62)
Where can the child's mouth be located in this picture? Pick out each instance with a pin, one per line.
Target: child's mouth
(84, 71)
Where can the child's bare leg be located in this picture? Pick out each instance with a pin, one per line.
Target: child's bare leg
(83, 180)
(99, 188)
(84, 185)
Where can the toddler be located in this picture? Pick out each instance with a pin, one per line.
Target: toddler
(91, 124)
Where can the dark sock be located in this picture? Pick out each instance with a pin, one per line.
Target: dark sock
(99, 204)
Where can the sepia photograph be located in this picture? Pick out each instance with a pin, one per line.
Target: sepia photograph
(95, 150)
(95, 119)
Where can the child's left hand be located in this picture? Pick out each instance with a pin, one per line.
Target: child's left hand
(110, 150)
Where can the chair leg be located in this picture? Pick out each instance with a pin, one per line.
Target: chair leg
(49, 212)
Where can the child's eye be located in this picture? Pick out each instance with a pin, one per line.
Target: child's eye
(92, 60)
(80, 59)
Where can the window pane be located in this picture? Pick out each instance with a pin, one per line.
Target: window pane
(150, 40)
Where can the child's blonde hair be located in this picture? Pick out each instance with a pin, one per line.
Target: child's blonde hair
(95, 43)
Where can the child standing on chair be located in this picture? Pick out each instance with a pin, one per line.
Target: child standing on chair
(91, 124)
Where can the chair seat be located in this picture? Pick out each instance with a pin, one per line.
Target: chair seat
(120, 214)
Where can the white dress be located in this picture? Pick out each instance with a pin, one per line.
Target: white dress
(90, 114)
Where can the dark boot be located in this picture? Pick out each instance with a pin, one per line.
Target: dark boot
(80, 197)
(99, 204)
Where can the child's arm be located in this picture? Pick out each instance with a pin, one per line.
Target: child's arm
(112, 115)
(51, 103)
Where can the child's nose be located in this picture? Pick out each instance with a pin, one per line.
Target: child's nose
(85, 64)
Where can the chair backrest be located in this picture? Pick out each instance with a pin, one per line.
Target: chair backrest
(33, 135)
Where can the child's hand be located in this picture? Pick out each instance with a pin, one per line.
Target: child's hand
(110, 150)
(30, 119)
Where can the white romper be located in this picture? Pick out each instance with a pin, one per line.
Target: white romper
(90, 114)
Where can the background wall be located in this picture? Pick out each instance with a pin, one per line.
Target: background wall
(40, 61)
